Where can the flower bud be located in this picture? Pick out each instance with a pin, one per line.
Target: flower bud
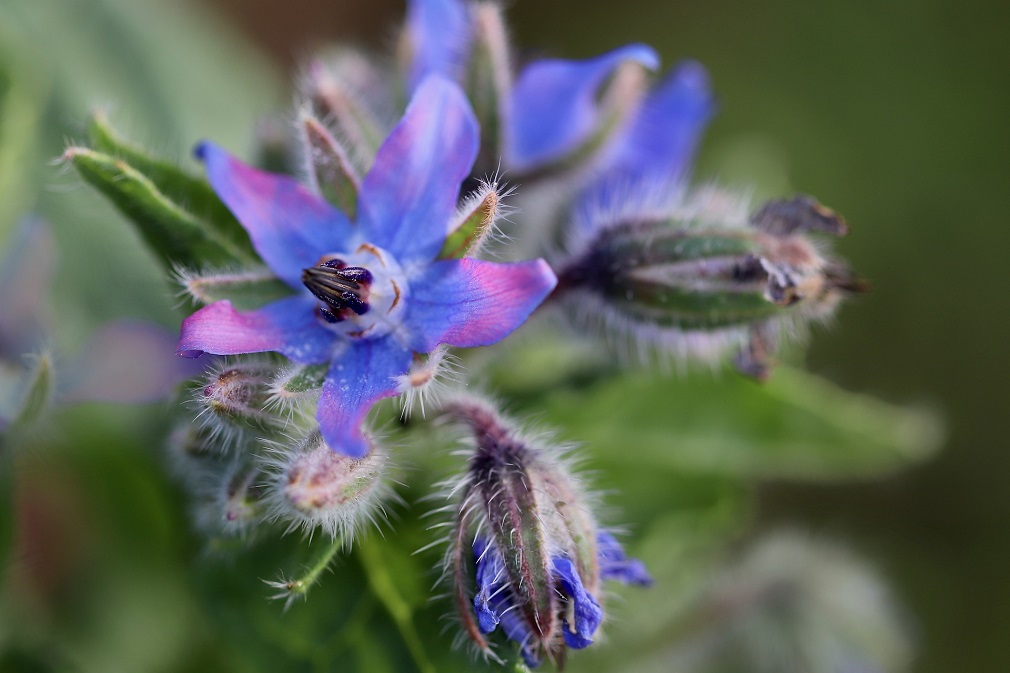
(231, 500)
(699, 277)
(317, 487)
(234, 398)
(538, 556)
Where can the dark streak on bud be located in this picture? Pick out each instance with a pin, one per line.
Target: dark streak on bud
(800, 214)
(498, 472)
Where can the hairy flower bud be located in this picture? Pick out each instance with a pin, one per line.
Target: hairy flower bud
(317, 487)
(700, 277)
(526, 553)
(231, 500)
(234, 398)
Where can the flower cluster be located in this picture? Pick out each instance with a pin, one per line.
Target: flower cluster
(324, 297)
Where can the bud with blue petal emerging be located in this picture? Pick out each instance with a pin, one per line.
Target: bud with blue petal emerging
(698, 277)
(526, 553)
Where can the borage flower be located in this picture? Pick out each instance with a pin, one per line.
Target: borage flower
(369, 294)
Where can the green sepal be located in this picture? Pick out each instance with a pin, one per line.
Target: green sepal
(330, 167)
(301, 380)
(177, 235)
(475, 223)
(246, 290)
(193, 193)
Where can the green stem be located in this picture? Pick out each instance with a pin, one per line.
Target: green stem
(300, 586)
(382, 585)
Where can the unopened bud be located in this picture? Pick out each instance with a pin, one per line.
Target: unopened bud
(232, 501)
(702, 278)
(233, 398)
(525, 527)
(317, 487)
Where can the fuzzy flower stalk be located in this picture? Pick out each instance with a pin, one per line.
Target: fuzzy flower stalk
(526, 555)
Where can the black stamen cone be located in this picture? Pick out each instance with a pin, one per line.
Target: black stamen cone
(339, 287)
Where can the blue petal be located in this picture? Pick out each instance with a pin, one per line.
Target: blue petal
(490, 600)
(409, 195)
(615, 564)
(287, 326)
(468, 302)
(588, 613)
(493, 602)
(439, 32)
(659, 144)
(553, 106)
(290, 227)
(358, 378)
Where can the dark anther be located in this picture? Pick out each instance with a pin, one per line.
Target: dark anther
(339, 287)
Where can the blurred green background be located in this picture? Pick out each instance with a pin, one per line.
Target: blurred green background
(892, 113)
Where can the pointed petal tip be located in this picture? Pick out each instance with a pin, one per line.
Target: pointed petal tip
(693, 74)
(200, 150)
(189, 354)
(641, 53)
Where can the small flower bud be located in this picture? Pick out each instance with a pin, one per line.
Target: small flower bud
(698, 277)
(317, 487)
(538, 556)
(234, 398)
(232, 501)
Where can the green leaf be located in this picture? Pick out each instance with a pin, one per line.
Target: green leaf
(245, 289)
(795, 426)
(194, 193)
(176, 234)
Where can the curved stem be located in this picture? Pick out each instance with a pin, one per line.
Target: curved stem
(382, 585)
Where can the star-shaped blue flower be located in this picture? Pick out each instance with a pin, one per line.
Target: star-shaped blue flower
(368, 294)
(551, 107)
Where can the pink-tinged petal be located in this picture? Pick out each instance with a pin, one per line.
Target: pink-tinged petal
(409, 196)
(659, 145)
(469, 302)
(127, 362)
(358, 378)
(553, 107)
(439, 32)
(288, 326)
(290, 227)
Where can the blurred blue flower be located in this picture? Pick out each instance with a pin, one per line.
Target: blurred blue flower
(551, 107)
(371, 293)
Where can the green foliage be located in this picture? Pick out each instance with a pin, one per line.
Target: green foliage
(177, 234)
(194, 194)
